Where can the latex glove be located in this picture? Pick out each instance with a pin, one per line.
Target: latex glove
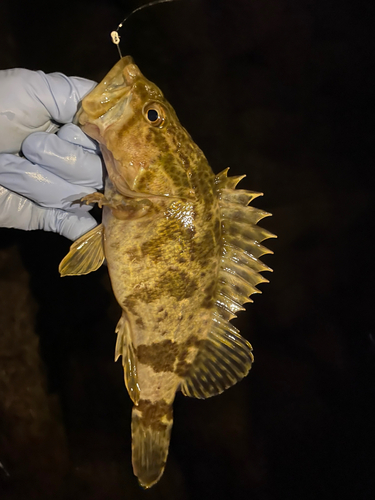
(31, 101)
(44, 188)
(39, 191)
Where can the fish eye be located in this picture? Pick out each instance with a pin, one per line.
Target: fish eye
(154, 114)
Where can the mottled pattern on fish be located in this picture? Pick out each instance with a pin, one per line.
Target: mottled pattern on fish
(182, 248)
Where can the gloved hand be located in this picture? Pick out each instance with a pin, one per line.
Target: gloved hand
(39, 191)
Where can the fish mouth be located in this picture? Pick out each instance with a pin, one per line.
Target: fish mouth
(104, 106)
(113, 90)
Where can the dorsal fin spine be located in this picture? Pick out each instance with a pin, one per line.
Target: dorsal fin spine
(251, 247)
(240, 256)
(230, 291)
(246, 273)
(238, 196)
(231, 182)
(230, 303)
(241, 285)
(247, 214)
(246, 230)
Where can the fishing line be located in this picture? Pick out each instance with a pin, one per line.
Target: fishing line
(114, 34)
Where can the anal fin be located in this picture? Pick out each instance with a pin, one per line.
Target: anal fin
(85, 255)
(125, 348)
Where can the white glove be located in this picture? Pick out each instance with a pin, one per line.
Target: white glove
(41, 190)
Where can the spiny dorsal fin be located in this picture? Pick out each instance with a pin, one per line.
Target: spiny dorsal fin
(85, 255)
(226, 357)
(125, 348)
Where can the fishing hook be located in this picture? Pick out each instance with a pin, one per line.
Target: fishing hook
(115, 35)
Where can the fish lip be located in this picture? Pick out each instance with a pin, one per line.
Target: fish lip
(122, 97)
(114, 89)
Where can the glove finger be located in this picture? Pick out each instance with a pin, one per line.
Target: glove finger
(39, 185)
(68, 161)
(72, 225)
(29, 100)
(20, 213)
(74, 135)
(60, 94)
(15, 210)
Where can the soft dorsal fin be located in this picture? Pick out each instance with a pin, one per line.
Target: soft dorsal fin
(125, 348)
(85, 255)
(225, 357)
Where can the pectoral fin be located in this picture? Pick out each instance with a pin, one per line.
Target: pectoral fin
(125, 348)
(85, 255)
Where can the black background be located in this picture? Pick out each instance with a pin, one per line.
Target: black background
(280, 90)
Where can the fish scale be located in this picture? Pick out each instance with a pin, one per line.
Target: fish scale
(182, 248)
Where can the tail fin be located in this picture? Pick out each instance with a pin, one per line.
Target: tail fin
(151, 433)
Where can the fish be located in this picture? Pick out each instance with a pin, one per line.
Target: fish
(183, 249)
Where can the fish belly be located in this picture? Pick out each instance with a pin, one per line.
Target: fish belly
(155, 282)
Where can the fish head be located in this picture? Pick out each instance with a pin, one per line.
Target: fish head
(146, 150)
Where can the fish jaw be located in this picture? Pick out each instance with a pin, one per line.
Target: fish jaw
(106, 104)
(114, 87)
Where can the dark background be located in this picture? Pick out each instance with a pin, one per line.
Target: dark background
(280, 90)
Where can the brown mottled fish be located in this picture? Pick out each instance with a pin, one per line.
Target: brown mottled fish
(182, 249)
